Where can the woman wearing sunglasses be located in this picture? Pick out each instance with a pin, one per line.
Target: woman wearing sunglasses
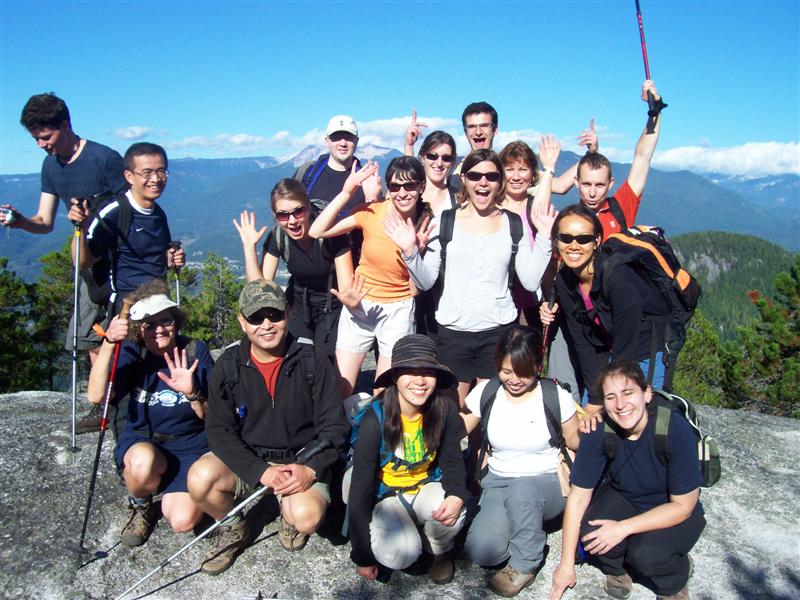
(475, 305)
(164, 378)
(386, 308)
(315, 267)
(619, 318)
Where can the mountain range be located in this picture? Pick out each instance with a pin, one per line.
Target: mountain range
(205, 195)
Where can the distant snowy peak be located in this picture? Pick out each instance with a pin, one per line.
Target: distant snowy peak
(311, 152)
(771, 190)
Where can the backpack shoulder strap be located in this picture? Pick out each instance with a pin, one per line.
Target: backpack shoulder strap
(528, 207)
(313, 171)
(663, 417)
(281, 241)
(609, 441)
(615, 209)
(515, 225)
(446, 225)
(487, 401)
(552, 411)
(230, 368)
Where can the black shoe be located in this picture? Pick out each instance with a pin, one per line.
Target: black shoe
(90, 421)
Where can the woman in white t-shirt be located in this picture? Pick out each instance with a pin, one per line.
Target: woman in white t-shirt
(521, 489)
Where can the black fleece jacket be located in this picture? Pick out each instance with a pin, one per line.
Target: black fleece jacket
(298, 414)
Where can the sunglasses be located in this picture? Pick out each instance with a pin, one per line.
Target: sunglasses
(283, 215)
(408, 186)
(151, 325)
(582, 239)
(475, 176)
(433, 157)
(273, 315)
(338, 136)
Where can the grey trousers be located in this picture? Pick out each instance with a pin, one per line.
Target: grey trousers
(560, 365)
(509, 520)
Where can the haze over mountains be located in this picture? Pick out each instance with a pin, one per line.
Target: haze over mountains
(204, 195)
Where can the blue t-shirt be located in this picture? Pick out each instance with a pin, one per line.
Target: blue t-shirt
(97, 169)
(142, 254)
(636, 471)
(157, 407)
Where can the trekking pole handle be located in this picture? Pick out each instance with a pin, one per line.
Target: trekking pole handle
(125, 311)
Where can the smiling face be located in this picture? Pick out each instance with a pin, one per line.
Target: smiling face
(158, 332)
(148, 177)
(519, 176)
(341, 146)
(482, 194)
(414, 387)
(593, 186)
(626, 403)
(405, 200)
(266, 330)
(292, 216)
(436, 167)
(576, 254)
(479, 130)
(513, 384)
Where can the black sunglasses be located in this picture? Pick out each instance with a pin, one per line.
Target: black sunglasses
(283, 215)
(582, 239)
(433, 157)
(337, 136)
(475, 176)
(408, 186)
(273, 315)
(151, 325)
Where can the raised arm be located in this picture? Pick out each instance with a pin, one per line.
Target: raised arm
(325, 225)
(549, 149)
(646, 146)
(250, 238)
(413, 131)
(588, 137)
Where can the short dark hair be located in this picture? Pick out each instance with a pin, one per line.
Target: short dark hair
(595, 161)
(405, 167)
(520, 151)
(44, 110)
(477, 108)
(143, 149)
(627, 368)
(437, 138)
(289, 189)
(478, 156)
(578, 210)
(523, 345)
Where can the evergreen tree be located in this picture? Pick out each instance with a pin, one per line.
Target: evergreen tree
(698, 375)
(212, 311)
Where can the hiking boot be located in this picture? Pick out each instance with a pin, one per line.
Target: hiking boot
(229, 541)
(442, 569)
(140, 524)
(618, 586)
(508, 582)
(90, 421)
(290, 538)
(682, 595)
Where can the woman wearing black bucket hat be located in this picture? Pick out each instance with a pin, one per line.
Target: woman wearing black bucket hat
(408, 484)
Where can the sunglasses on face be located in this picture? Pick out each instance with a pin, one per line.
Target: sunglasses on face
(283, 215)
(342, 135)
(433, 157)
(475, 176)
(582, 239)
(273, 315)
(408, 186)
(151, 325)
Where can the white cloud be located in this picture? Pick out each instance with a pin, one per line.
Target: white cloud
(132, 132)
(750, 160)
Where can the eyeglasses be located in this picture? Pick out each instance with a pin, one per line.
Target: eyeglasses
(433, 157)
(151, 325)
(482, 126)
(273, 315)
(148, 174)
(582, 238)
(338, 136)
(408, 186)
(475, 176)
(283, 215)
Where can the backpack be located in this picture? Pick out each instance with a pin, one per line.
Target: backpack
(666, 405)
(651, 255)
(308, 173)
(447, 223)
(552, 413)
(98, 276)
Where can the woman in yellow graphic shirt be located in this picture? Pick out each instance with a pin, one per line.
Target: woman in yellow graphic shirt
(414, 500)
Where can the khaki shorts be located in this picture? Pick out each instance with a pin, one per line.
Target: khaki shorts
(244, 489)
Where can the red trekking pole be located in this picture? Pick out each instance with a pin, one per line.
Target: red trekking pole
(123, 314)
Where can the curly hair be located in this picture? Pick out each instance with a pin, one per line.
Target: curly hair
(44, 110)
(154, 287)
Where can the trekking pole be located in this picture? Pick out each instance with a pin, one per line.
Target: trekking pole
(176, 245)
(303, 456)
(651, 101)
(550, 302)
(123, 314)
(75, 308)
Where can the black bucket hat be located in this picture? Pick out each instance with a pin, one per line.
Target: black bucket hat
(416, 351)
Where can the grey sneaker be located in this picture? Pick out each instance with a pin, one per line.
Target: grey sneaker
(618, 586)
(290, 538)
(508, 582)
(229, 541)
(90, 421)
(140, 525)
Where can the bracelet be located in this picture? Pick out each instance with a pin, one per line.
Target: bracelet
(194, 397)
(551, 171)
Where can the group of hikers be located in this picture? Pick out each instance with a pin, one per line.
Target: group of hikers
(459, 276)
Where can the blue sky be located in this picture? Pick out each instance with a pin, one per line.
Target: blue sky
(218, 79)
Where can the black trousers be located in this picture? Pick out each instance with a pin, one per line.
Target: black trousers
(656, 559)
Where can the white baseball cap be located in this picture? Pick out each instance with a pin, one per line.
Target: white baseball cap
(342, 123)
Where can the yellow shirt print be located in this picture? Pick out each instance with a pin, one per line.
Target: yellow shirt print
(413, 451)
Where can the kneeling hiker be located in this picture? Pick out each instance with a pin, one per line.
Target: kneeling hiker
(165, 432)
(408, 477)
(269, 397)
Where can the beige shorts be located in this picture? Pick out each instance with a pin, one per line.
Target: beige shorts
(244, 489)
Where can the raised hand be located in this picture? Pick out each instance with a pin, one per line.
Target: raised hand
(247, 228)
(373, 188)
(588, 138)
(543, 218)
(400, 231)
(414, 130)
(357, 178)
(425, 232)
(650, 86)
(351, 293)
(549, 149)
(181, 376)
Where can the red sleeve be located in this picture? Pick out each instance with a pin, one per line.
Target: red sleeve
(629, 202)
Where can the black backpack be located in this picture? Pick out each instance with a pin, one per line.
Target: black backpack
(667, 405)
(447, 223)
